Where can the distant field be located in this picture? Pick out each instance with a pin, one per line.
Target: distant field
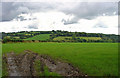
(61, 38)
(39, 37)
(86, 38)
(90, 38)
(94, 59)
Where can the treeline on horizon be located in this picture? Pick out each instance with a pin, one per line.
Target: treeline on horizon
(75, 36)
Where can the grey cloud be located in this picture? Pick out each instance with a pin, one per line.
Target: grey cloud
(81, 10)
(66, 22)
(119, 8)
(22, 18)
(90, 10)
(0, 12)
(11, 9)
(100, 25)
(33, 26)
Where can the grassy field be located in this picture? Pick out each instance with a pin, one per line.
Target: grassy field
(39, 37)
(90, 38)
(86, 38)
(94, 59)
(61, 38)
(0, 59)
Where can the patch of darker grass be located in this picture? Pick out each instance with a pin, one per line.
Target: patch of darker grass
(45, 72)
(4, 69)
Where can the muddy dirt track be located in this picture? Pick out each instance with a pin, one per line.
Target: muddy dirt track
(23, 65)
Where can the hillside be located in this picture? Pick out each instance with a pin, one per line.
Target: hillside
(58, 36)
(39, 37)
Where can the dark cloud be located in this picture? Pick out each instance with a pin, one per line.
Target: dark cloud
(10, 10)
(90, 10)
(83, 10)
(119, 8)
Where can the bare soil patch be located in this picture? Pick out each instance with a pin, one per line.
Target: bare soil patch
(24, 65)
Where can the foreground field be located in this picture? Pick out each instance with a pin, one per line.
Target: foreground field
(0, 59)
(94, 59)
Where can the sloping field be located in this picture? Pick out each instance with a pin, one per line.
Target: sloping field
(90, 38)
(39, 37)
(68, 38)
(62, 38)
(94, 59)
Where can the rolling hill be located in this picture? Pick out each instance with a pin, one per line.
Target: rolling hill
(39, 37)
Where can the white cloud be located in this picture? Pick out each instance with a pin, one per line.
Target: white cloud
(59, 0)
(52, 20)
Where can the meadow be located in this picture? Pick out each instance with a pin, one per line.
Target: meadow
(70, 38)
(94, 59)
(39, 37)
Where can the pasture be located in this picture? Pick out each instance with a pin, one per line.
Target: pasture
(94, 59)
(39, 37)
(60, 38)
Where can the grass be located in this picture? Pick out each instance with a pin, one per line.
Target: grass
(37, 67)
(61, 38)
(90, 38)
(4, 69)
(39, 37)
(94, 59)
(0, 59)
(45, 71)
(69, 38)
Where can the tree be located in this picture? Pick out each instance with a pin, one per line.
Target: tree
(6, 39)
(73, 36)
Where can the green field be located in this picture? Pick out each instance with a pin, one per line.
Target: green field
(39, 37)
(90, 38)
(69, 38)
(61, 38)
(94, 59)
(0, 59)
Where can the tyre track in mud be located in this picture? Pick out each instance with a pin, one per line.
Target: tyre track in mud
(23, 65)
(12, 66)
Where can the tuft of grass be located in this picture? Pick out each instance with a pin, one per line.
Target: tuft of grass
(37, 67)
(46, 71)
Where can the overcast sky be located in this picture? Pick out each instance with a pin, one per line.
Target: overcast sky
(91, 17)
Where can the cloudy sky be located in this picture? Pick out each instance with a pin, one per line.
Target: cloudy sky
(91, 17)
